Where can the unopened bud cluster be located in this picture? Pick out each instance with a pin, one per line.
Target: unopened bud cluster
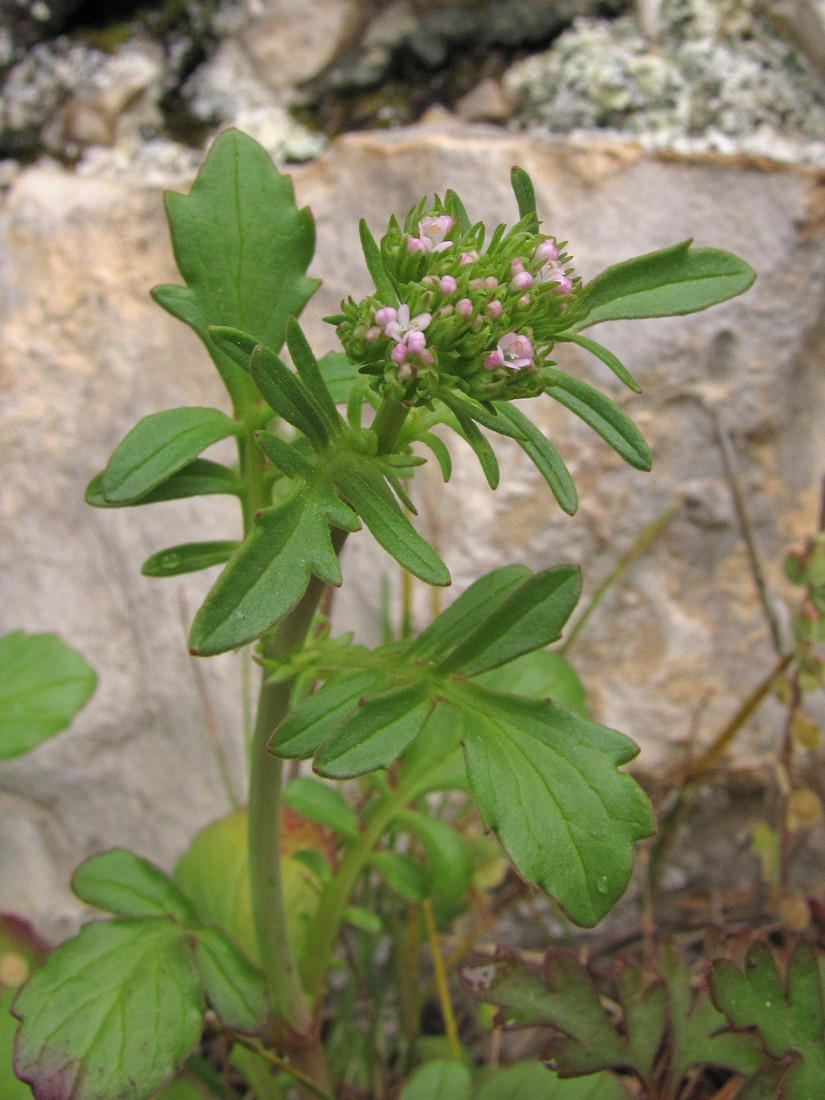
(480, 321)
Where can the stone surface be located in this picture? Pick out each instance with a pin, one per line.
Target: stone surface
(84, 353)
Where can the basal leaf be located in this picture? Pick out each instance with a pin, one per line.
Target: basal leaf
(375, 733)
(43, 684)
(467, 612)
(123, 883)
(603, 416)
(547, 783)
(363, 486)
(242, 248)
(669, 282)
(441, 1079)
(789, 1016)
(269, 574)
(530, 617)
(449, 859)
(200, 478)
(189, 557)
(235, 988)
(316, 719)
(113, 1013)
(159, 446)
(323, 803)
(543, 455)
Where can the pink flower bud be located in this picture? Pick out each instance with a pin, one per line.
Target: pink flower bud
(494, 309)
(372, 334)
(546, 251)
(494, 359)
(522, 281)
(399, 354)
(468, 257)
(447, 284)
(384, 315)
(415, 244)
(426, 358)
(464, 308)
(416, 342)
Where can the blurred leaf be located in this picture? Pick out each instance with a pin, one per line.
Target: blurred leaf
(403, 875)
(189, 557)
(159, 446)
(10, 1087)
(123, 883)
(234, 986)
(43, 684)
(322, 803)
(339, 374)
(449, 858)
(534, 1080)
(439, 1080)
(672, 281)
(74, 1042)
(242, 248)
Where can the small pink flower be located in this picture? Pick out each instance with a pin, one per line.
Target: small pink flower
(432, 232)
(553, 272)
(447, 284)
(521, 281)
(426, 358)
(400, 325)
(514, 352)
(416, 342)
(516, 266)
(546, 251)
(384, 315)
(464, 308)
(399, 354)
(468, 258)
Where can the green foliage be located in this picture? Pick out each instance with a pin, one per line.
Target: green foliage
(43, 684)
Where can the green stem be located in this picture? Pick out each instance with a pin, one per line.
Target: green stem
(388, 423)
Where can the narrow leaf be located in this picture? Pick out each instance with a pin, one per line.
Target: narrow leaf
(286, 458)
(603, 416)
(543, 455)
(468, 431)
(525, 196)
(189, 557)
(364, 488)
(199, 478)
(546, 782)
(158, 446)
(114, 1012)
(122, 883)
(286, 395)
(242, 248)
(466, 612)
(43, 684)
(303, 730)
(269, 573)
(234, 986)
(531, 617)
(670, 282)
(310, 374)
(402, 874)
(237, 345)
(603, 353)
(375, 265)
(376, 733)
(442, 455)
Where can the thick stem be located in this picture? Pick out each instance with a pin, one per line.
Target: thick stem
(388, 423)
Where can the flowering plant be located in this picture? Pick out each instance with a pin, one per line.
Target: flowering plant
(241, 938)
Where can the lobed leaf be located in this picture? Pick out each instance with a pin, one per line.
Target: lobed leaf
(189, 557)
(242, 248)
(123, 883)
(159, 446)
(114, 1012)
(43, 684)
(669, 282)
(547, 783)
(234, 986)
(270, 571)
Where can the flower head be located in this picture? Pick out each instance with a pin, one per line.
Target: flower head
(513, 351)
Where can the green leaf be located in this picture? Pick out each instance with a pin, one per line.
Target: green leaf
(189, 557)
(466, 428)
(439, 1080)
(547, 783)
(43, 684)
(603, 353)
(238, 345)
(375, 733)
(113, 1013)
(364, 487)
(120, 882)
(310, 374)
(185, 1088)
(340, 375)
(285, 393)
(242, 248)
(670, 282)
(159, 446)
(287, 458)
(402, 874)
(467, 612)
(603, 416)
(442, 454)
(322, 803)
(525, 197)
(530, 617)
(789, 1016)
(234, 986)
(540, 674)
(543, 455)
(534, 1080)
(270, 572)
(199, 478)
(375, 265)
(449, 859)
(303, 730)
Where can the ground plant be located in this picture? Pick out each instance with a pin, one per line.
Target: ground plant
(244, 972)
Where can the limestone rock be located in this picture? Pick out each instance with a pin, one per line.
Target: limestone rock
(84, 353)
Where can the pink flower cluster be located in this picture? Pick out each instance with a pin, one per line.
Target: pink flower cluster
(410, 349)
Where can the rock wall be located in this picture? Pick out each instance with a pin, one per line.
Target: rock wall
(84, 353)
